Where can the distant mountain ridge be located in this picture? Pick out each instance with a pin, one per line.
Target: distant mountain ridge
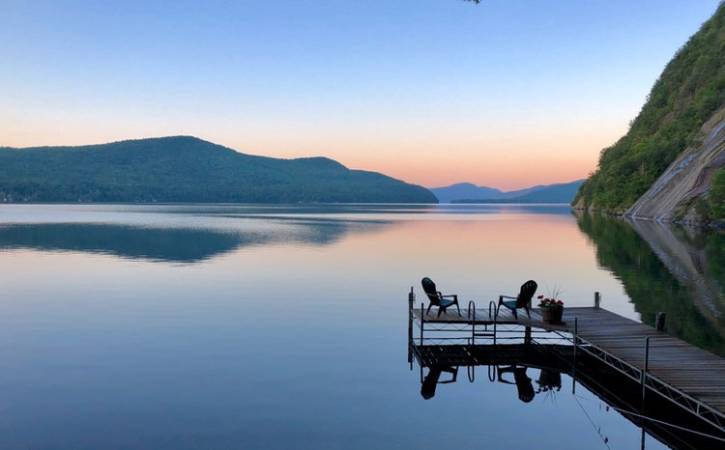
(459, 191)
(470, 193)
(188, 169)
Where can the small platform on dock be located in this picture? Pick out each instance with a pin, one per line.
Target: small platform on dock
(689, 376)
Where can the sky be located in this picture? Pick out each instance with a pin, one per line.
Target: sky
(507, 93)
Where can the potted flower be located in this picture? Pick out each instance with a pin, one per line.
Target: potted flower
(552, 309)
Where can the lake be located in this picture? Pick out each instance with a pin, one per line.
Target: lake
(276, 327)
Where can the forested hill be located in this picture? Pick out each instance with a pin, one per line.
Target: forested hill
(187, 169)
(689, 91)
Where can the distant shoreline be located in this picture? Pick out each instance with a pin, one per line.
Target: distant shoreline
(482, 202)
(502, 202)
(218, 203)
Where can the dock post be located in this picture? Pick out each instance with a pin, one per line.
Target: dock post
(597, 299)
(422, 321)
(472, 317)
(576, 340)
(646, 368)
(660, 320)
(411, 301)
(495, 319)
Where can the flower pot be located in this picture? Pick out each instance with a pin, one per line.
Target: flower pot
(552, 313)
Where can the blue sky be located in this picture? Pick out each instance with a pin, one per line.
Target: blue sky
(505, 93)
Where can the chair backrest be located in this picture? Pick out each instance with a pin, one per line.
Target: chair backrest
(430, 290)
(528, 290)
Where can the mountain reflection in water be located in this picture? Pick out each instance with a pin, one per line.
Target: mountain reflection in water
(670, 269)
(168, 244)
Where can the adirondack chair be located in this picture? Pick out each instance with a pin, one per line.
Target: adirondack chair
(438, 299)
(523, 300)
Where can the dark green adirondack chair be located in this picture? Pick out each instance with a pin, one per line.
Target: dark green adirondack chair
(438, 299)
(523, 300)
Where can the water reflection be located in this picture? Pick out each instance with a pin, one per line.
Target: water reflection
(523, 383)
(156, 244)
(231, 333)
(169, 244)
(196, 233)
(432, 380)
(668, 269)
(538, 370)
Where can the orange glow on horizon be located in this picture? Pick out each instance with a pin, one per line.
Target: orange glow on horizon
(504, 175)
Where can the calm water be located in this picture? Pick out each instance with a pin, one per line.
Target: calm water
(206, 327)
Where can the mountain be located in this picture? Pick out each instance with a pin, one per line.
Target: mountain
(552, 193)
(459, 191)
(187, 169)
(673, 154)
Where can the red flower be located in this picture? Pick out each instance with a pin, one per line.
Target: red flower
(540, 296)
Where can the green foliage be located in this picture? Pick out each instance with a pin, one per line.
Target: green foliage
(715, 254)
(716, 197)
(689, 91)
(187, 169)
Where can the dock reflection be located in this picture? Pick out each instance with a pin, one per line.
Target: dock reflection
(534, 369)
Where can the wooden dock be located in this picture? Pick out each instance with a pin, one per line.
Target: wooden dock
(689, 376)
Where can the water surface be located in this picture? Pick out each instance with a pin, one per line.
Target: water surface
(221, 326)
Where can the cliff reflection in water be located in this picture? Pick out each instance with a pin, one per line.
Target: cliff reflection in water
(670, 269)
(169, 244)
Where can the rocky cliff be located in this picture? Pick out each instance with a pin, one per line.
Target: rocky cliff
(664, 166)
(675, 195)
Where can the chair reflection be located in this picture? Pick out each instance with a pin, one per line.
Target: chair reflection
(549, 379)
(432, 380)
(523, 383)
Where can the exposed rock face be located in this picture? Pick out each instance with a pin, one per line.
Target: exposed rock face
(688, 178)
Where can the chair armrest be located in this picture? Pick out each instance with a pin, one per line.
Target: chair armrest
(449, 295)
(507, 296)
